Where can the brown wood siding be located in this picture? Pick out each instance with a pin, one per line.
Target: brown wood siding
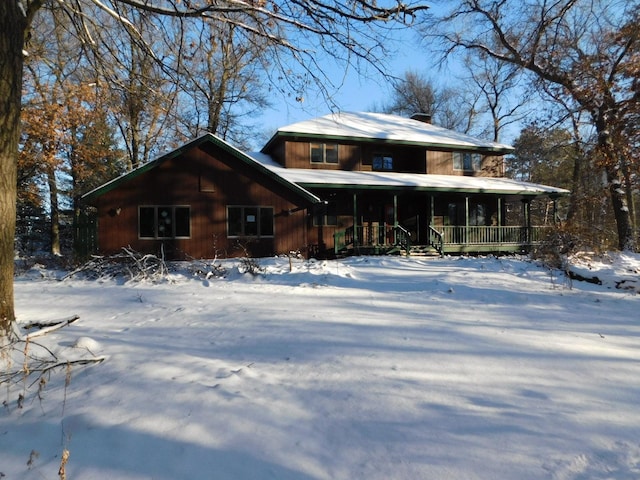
(440, 163)
(492, 166)
(176, 182)
(298, 155)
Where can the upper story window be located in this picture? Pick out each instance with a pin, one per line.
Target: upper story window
(382, 162)
(164, 222)
(324, 153)
(470, 162)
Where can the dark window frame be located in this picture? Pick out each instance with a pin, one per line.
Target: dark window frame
(318, 153)
(153, 220)
(253, 221)
(328, 217)
(382, 162)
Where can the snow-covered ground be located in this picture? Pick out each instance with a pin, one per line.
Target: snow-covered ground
(364, 368)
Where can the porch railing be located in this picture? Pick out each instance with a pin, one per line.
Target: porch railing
(487, 235)
(442, 238)
(402, 238)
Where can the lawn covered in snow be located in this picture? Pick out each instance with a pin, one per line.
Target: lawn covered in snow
(363, 368)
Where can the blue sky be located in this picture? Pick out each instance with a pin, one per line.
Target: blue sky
(360, 91)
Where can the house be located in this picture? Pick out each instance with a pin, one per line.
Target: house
(345, 183)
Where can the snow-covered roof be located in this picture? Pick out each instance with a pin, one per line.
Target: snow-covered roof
(389, 128)
(317, 178)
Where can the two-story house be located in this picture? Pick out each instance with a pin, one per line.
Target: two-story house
(345, 183)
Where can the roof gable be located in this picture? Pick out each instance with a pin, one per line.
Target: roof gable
(206, 138)
(381, 127)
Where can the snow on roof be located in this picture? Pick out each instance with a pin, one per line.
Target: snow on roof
(394, 128)
(420, 181)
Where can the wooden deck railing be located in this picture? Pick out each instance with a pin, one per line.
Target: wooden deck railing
(385, 235)
(484, 235)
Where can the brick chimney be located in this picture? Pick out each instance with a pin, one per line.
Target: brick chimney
(422, 117)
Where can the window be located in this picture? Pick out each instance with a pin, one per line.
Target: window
(478, 214)
(324, 153)
(164, 222)
(327, 217)
(467, 161)
(382, 162)
(249, 221)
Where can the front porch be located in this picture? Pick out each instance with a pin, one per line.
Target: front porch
(378, 239)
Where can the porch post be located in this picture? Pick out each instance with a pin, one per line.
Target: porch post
(355, 219)
(466, 219)
(395, 219)
(432, 212)
(395, 209)
(499, 231)
(526, 210)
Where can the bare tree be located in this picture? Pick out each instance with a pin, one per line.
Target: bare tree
(496, 83)
(301, 28)
(450, 107)
(221, 80)
(580, 48)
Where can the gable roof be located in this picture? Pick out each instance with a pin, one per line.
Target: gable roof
(386, 128)
(206, 138)
(342, 179)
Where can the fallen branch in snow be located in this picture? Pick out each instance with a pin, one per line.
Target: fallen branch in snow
(24, 361)
(43, 367)
(48, 327)
(630, 285)
(581, 278)
(128, 263)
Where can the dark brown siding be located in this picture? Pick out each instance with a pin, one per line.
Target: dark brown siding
(440, 163)
(178, 181)
(298, 155)
(492, 166)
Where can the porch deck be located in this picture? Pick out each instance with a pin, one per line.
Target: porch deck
(388, 239)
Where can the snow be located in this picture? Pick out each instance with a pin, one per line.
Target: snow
(382, 126)
(452, 183)
(361, 368)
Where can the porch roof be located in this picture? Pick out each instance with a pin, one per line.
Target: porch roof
(358, 180)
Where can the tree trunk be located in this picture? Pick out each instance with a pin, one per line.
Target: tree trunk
(55, 210)
(624, 223)
(606, 122)
(13, 24)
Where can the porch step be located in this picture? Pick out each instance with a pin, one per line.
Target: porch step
(423, 251)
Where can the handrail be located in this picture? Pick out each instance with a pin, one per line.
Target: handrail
(439, 243)
(402, 237)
